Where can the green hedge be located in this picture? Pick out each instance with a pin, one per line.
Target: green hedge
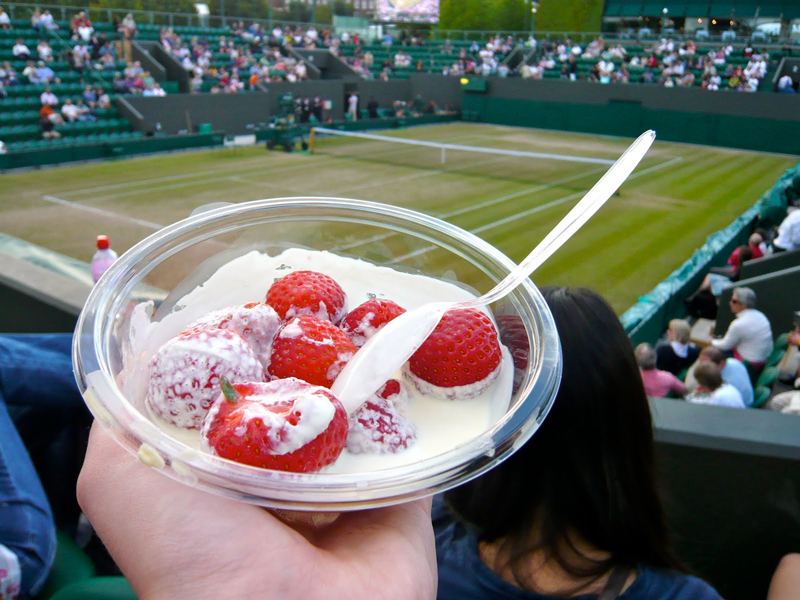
(110, 149)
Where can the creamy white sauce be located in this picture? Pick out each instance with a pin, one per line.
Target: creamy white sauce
(441, 424)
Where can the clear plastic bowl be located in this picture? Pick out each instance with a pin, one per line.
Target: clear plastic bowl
(174, 260)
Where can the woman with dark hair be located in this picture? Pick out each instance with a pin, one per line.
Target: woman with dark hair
(575, 510)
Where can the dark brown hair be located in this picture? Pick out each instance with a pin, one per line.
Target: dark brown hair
(588, 471)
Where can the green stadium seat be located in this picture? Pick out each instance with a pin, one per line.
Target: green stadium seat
(761, 396)
(767, 377)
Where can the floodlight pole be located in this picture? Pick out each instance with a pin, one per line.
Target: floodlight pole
(534, 10)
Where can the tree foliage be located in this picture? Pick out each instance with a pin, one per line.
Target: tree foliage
(515, 15)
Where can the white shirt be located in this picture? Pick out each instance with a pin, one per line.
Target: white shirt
(725, 395)
(70, 112)
(4, 20)
(48, 98)
(2, 148)
(750, 334)
(20, 49)
(789, 232)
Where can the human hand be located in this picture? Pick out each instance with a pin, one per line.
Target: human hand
(172, 541)
(794, 338)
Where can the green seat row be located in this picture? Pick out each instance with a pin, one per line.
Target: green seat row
(26, 117)
(32, 102)
(17, 91)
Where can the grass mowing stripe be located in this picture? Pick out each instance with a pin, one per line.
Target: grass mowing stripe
(474, 207)
(531, 211)
(100, 211)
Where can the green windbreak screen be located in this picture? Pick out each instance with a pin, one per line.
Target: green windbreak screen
(675, 9)
(792, 10)
(746, 8)
(652, 9)
(721, 8)
(613, 7)
(631, 9)
(771, 8)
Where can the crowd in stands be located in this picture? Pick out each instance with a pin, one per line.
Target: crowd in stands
(728, 370)
(87, 54)
(666, 63)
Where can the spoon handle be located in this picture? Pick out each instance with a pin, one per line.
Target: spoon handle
(574, 220)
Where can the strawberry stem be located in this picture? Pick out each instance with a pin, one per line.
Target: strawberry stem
(230, 393)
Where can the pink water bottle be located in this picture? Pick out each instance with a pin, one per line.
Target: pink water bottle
(103, 258)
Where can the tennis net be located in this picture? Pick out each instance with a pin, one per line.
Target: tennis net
(481, 161)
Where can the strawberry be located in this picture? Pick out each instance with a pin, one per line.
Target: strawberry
(378, 427)
(366, 319)
(257, 323)
(460, 358)
(310, 349)
(389, 389)
(185, 373)
(286, 425)
(308, 293)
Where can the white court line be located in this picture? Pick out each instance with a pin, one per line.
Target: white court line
(394, 151)
(530, 211)
(117, 186)
(213, 176)
(104, 213)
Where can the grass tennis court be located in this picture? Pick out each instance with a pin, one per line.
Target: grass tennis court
(678, 196)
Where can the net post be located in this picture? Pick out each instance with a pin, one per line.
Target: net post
(444, 155)
(311, 139)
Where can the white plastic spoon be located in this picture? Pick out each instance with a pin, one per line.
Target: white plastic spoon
(392, 346)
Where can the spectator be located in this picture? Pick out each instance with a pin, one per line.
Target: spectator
(372, 108)
(69, 111)
(89, 96)
(750, 334)
(786, 85)
(789, 367)
(352, 107)
(788, 233)
(711, 389)
(678, 353)
(754, 242)
(732, 371)
(703, 301)
(31, 72)
(48, 22)
(657, 384)
(81, 27)
(8, 76)
(45, 74)
(84, 112)
(36, 19)
(127, 31)
(5, 20)
(48, 98)
(2, 147)
(577, 519)
(48, 119)
(44, 51)
(21, 51)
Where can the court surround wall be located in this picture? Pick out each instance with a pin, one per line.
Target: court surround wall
(761, 121)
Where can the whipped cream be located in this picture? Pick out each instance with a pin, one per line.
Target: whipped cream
(441, 424)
